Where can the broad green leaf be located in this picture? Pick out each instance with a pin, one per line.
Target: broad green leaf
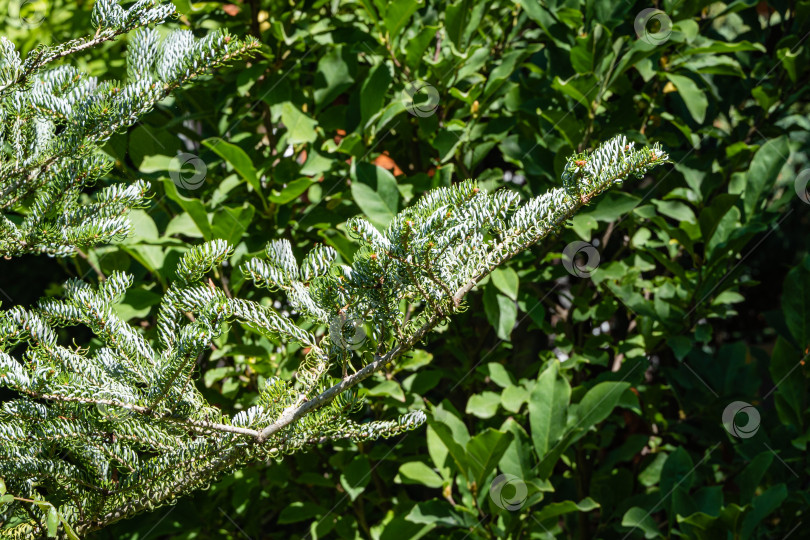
(709, 46)
(548, 408)
(372, 93)
(374, 189)
(751, 477)
(565, 507)
(762, 506)
(790, 395)
(334, 75)
(484, 451)
(598, 403)
(356, 476)
(694, 97)
(52, 521)
(501, 312)
(291, 191)
(137, 302)
(300, 127)
(194, 207)
(711, 215)
(677, 473)
(390, 389)
(147, 142)
(398, 14)
(765, 166)
(500, 375)
(238, 159)
(639, 518)
(506, 280)
(796, 304)
(435, 512)
(675, 210)
(300, 511)
(483, 405)
(231, 223)
(513, 398)
(416, 472)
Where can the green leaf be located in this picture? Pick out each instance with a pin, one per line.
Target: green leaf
(750, 478)
(356, 476)
(599, 402)
(484, 451)
(193, 207)
(452, 433)
(694, 97)
(238, 159)
(762, 507)
(231, 223)
(711, 215)
(398, 14)
(416, 472)
(565, 507)
(52, 521)
(548, 408)
(291, 191)
(374, 189)
(506, 280)
(372, 93)
(513, 398)
(435, 512)
(300, 127)
(790, 395)
(334, 75)
(7, 498)
(483, 405)
(300, 511)
(500, 375)
(501, 312)
(796, 304)
(639, 518)
(676, 473)
(765, 166)
(675, 210)
(388, 388)
(151, 148)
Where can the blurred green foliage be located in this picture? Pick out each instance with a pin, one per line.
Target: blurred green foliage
(601, 398)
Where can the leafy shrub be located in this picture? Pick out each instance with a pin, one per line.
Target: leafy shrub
(686, 306)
